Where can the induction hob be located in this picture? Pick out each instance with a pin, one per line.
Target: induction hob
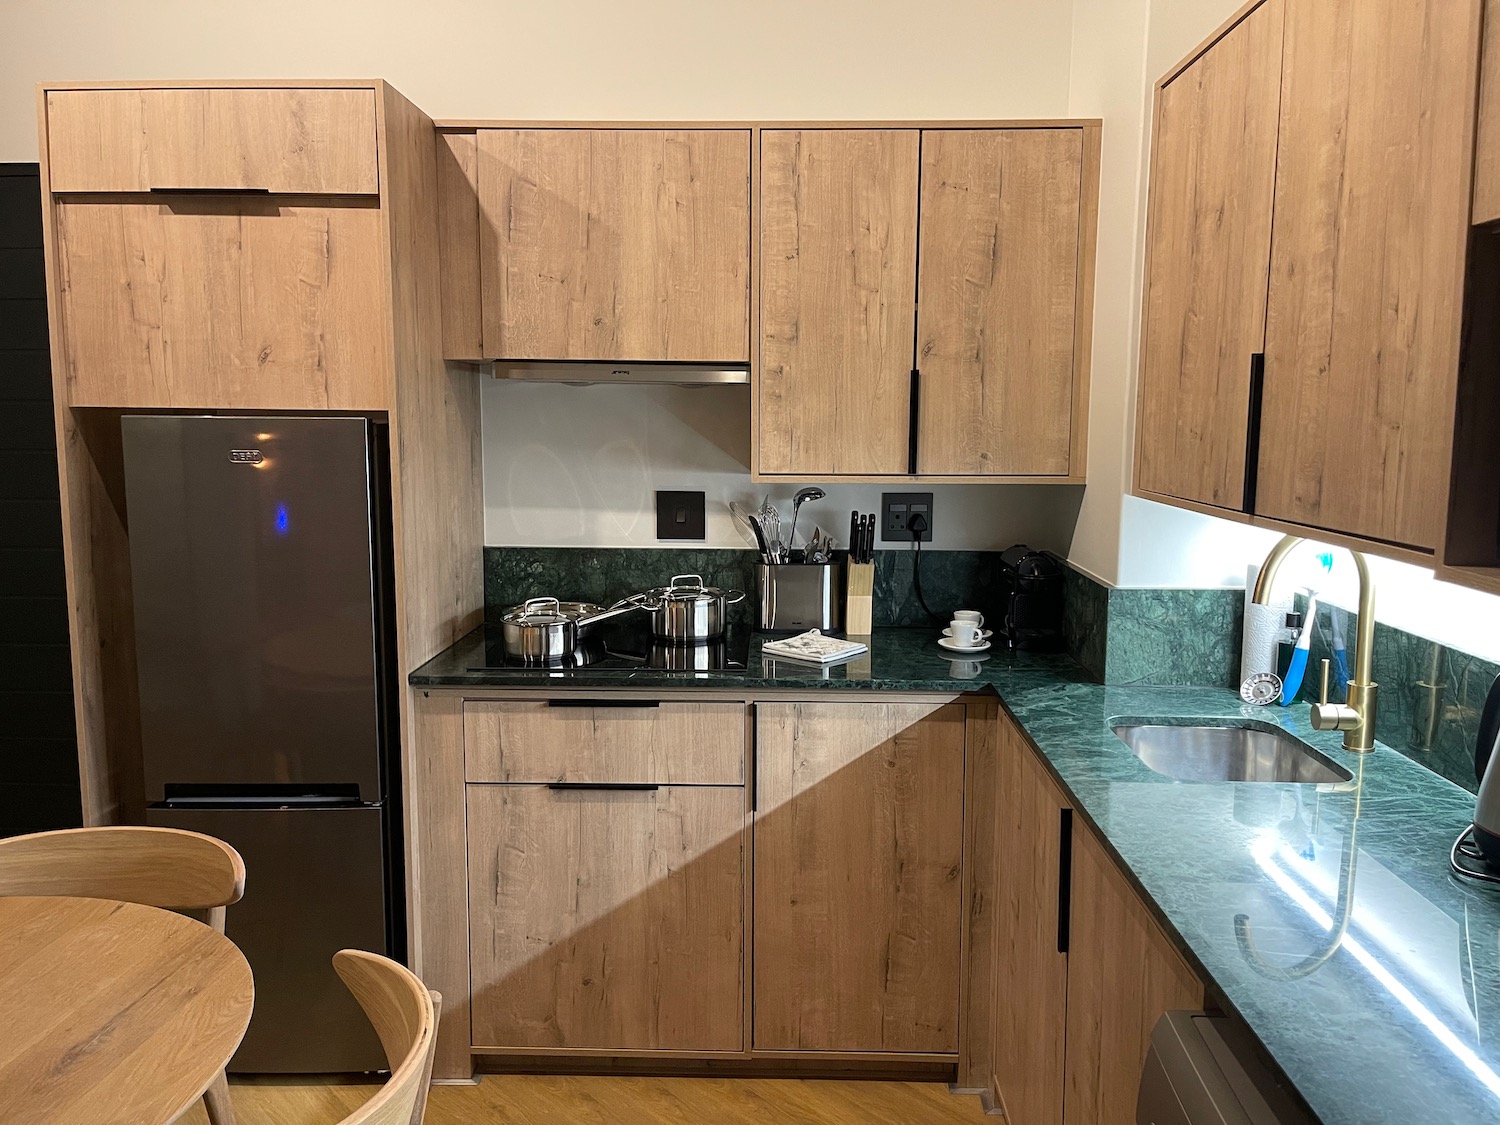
(625, 650)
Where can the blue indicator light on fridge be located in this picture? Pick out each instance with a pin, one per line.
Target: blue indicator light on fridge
(283, 523)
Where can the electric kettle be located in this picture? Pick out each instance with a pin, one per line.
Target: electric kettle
(1486, 769)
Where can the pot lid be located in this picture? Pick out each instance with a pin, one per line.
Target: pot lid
(537, 611)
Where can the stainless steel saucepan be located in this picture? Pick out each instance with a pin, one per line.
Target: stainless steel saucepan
(685, 611)
(545, 629)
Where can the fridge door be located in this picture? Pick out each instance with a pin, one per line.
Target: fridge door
(314, 884)
(254, 567)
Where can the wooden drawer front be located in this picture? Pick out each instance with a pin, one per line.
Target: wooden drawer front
(222, 303)
(661, 744)
(319, 141)
(606, 919)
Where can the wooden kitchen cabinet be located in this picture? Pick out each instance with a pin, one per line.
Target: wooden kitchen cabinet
(190, 301)
(997, 302)
(1487, 142)
(858, 899)
(1123, 974)
(1350, 429)
(926, 301)
(1208, 262)
(607, 917)
(614, 244)
(838, 254)
(1028, 1011)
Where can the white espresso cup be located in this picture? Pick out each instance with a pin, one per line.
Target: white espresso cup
(964, 634)
(969, 615)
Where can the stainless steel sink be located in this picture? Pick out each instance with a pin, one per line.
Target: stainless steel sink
(1232, 750)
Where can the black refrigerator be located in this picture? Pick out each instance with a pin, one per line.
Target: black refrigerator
(259, 551)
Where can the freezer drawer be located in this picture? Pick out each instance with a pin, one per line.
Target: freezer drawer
(314, 884)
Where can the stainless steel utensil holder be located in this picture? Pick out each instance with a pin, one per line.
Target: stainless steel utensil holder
(795, 597)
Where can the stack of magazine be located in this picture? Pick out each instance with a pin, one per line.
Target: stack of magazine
(814, 648)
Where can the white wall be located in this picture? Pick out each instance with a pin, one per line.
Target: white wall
(579, 59)
(580, 466)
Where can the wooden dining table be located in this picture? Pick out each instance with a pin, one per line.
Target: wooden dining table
(112, 1012)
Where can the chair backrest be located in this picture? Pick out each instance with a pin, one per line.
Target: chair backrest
(164, 867)
(404, 1015)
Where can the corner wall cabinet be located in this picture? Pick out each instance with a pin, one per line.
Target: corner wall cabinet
(1310, 201)
(925, 295)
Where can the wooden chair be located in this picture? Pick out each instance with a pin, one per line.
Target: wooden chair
(163, 867)
(405, 1016)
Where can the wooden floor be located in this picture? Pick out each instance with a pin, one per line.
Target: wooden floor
(532, 1100)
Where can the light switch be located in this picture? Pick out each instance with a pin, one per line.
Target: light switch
(681, 515)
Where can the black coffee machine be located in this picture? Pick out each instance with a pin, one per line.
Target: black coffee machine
(1031, 600)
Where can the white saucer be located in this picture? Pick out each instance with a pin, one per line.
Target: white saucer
(985, 634)
(948, 644)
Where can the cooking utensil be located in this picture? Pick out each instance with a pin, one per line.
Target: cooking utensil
(760, 539)
(685, 611)
(548, 629)
(770, 523)
(743, 519)
(801, 498)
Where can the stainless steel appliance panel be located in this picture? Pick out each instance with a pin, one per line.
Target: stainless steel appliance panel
(314, 884)
(255, 580)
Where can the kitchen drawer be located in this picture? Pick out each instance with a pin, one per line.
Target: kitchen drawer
(313, 141)
(626, 742)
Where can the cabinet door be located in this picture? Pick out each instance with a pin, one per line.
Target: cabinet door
(1367, 261)
(1487, 141)
(996, 300)
(1123, 974)
(318, 141)
(838, 261)
(1029, 1008)
(228, 303)
(604, 918)
(1213, 170)
(858, 900)
(615, 244)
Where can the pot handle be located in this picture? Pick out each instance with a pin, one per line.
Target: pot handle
(734, 596)
(530, 603)
(697, 582)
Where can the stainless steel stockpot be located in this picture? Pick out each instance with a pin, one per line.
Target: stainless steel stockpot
(546, 629)
(685, 611)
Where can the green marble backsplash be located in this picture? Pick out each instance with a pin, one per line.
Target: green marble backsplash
(950, 579)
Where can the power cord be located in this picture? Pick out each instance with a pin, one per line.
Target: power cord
(916, 525)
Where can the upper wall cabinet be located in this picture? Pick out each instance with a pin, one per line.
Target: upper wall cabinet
(313, 141)
(219, 248)
(1304, 285)
(925, 301)
(597, 244)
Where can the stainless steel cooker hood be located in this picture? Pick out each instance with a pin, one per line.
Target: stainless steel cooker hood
(678, 374)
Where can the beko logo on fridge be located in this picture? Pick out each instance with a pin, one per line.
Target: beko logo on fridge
(247, 456)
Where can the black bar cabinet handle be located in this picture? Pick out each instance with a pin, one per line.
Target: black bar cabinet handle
(1064, 878)
(210, 190)
(603, 703)
(608, 786)
(913, 419)
(1252, 428)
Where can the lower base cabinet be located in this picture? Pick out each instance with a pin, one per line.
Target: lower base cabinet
(607, 918)
(858, 900)
(1082, 971)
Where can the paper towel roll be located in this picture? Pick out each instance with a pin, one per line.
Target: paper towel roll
(1263, 628)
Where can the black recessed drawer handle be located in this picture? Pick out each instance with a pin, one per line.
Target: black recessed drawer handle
(604, 786)
(603, 703)
(210, 190)
(1064, 879)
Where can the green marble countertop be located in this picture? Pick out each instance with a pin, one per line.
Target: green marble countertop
(1399, 1022)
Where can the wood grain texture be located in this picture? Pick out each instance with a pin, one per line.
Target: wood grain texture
(535, 1099)
(1031, 984)
(838, 267)
(314, 141)
(997, 298)
(671, 744)
(858, 892)
(1367, 260)
(113, 1011)
(615, 244)
(404, 1016)
(607, 919)
(982, 743)
(458, 240)
(1213, 171)
(1083, 315)
(437, 861)
(164, 867)
(231, 303)
(1487, 142)
(1123, 974)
